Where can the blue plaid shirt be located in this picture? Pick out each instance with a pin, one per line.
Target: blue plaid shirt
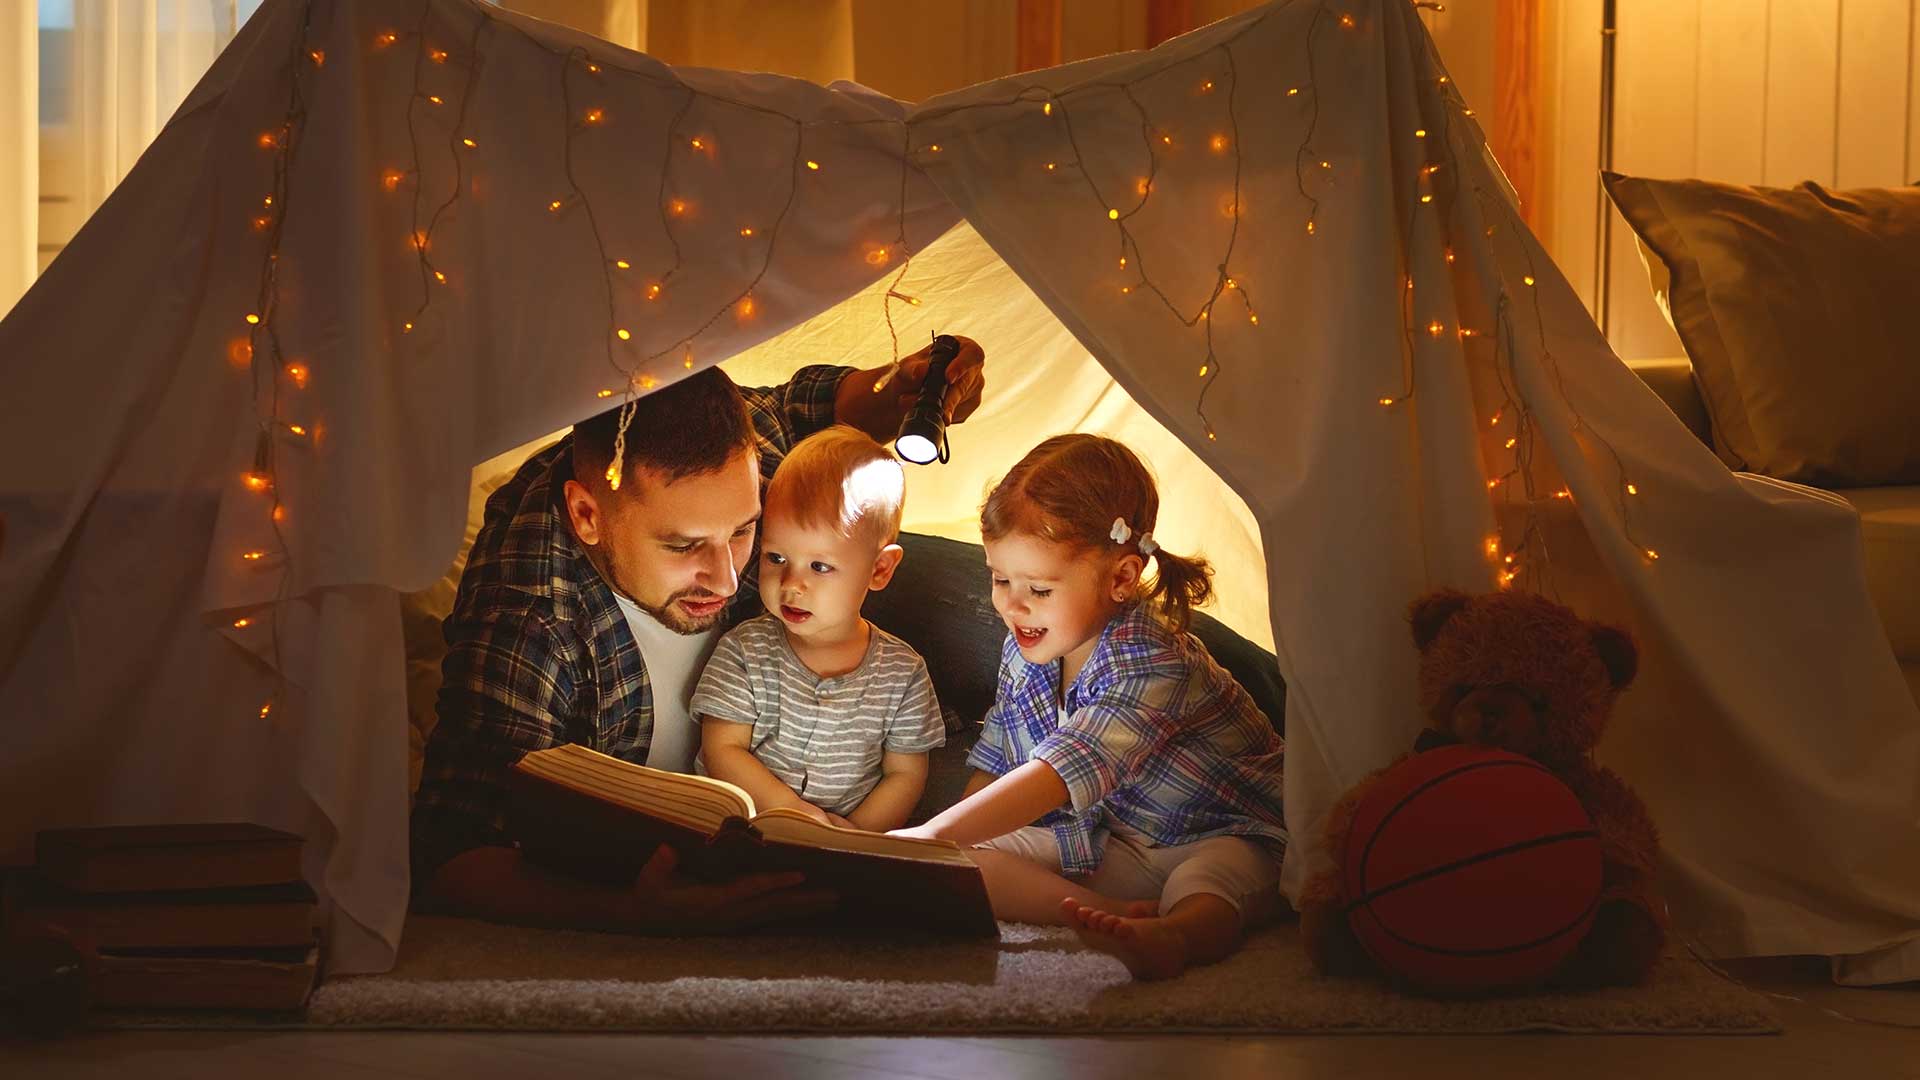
(539, 652)
(1156, 736)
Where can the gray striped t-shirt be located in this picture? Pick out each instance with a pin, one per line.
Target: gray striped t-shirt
(822, 737)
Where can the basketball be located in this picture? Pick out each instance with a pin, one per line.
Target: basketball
(1470, 870)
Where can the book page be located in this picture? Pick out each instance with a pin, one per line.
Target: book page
(786, 825)
(699, 802)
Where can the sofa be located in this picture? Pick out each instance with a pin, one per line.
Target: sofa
(1889, 520)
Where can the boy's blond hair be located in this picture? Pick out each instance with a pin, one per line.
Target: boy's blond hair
(842, 479)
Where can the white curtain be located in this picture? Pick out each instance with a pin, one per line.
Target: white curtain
(93, 83)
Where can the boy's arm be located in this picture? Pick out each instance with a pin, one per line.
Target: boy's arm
(1015, 800)
(727, 747)
(892, 800)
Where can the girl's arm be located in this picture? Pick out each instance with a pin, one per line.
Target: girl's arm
(1016, 799)
(727, 748)
(892, 800)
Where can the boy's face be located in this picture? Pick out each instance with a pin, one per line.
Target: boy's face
(814, 579)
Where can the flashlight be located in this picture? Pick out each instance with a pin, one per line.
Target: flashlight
(923, 434)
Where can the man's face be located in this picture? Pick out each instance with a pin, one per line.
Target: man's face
(675, 549)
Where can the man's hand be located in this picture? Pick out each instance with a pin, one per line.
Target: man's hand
(879, 413)
(965, 379)
(663, 902)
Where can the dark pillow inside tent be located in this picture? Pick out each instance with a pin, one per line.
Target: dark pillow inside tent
(940, 603)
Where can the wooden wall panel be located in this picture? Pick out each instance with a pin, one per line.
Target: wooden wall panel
(1803, 57)
(1912, 172)
(1731, 126)
(1872, 56)
(1655, 101)
(1572, 82)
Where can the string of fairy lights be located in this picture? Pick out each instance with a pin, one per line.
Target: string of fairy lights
(633, 292)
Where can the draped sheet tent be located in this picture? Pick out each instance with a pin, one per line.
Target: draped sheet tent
(382, 242)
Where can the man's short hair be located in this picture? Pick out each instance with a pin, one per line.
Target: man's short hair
(842, 479)
(695, 426)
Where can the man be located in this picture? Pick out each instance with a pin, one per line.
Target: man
(585, 614)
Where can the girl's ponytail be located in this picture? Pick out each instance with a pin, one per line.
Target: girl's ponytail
(1179, 585)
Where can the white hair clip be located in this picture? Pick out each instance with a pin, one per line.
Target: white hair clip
(1120, 531)
(1147, 546)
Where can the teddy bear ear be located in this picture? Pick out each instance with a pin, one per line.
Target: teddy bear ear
(1432, 611)
(1618, 653)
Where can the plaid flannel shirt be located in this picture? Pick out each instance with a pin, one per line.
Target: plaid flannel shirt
(539, 652)
(1156, 736)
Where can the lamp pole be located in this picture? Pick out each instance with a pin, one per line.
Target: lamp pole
(1602, 234)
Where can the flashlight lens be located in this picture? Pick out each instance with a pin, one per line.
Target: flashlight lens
(917, 448)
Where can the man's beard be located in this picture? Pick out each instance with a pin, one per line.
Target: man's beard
(671, 617)
(667, 613)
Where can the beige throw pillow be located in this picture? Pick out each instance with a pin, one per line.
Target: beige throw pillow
(1798, 309)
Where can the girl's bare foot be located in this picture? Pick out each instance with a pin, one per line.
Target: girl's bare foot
(1146, 944)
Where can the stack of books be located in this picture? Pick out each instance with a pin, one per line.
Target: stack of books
(204, 916)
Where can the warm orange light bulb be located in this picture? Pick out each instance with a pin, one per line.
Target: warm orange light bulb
(622, 264)
(252, 319)
(1218, 143)
(1435, 328)
(748, 231)
(1386, 401)
(1204, 368)
(440, 277)
(242, 624)
(256, 481)
(1046, 109)
(623, 334)
(653, 291)
(1632, 490)
(1511, 442)
(298, 373)
(268, 140)
(253, 556)
(604, 394)
(469, 143)
(390, 179)
(1293, 91)
(436, 99)
(1528, 279)
(385, 38)
(319, 57)
(1346, 22)
(594, 116)
(438, 56)
(1113, 215)
(813, 165)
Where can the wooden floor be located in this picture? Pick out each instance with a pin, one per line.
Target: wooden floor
(1815, 1045)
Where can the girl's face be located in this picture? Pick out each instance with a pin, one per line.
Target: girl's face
(1055, 599)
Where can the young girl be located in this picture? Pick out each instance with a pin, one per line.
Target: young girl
(1155, 778)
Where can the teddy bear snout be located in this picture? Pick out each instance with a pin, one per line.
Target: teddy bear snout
(1496, 717)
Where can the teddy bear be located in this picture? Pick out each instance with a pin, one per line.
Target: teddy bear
(1517, 672)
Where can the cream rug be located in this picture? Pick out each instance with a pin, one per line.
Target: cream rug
(461, 974)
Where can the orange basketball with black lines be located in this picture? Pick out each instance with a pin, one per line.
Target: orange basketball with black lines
(1470, 870)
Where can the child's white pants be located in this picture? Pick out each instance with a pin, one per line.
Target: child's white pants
(1233, 868)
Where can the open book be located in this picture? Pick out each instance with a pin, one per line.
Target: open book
(581, 812)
